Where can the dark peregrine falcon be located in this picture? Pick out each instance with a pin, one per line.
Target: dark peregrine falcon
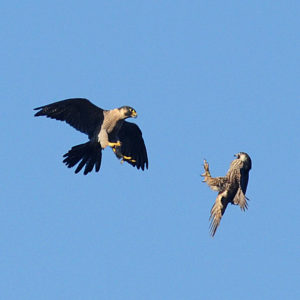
(104, 128)
(232, 188)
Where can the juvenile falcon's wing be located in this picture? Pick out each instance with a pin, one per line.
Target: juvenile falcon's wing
(217, 212)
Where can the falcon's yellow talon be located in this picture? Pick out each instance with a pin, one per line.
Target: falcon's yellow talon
(117, 144)
(127, 157)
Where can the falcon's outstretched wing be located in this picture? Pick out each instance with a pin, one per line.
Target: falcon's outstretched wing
(217, 212)
(80, 113)
(132, 149)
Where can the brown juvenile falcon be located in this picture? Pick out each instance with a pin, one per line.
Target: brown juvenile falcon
(232, 188)
(104, 128)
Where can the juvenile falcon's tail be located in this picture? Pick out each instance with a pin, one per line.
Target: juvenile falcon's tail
(88, 154)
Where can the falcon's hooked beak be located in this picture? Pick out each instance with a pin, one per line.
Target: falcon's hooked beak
(133, 114)
(236, 155)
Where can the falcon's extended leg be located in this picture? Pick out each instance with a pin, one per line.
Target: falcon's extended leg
(214, 183)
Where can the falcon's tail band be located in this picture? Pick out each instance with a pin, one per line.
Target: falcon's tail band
(88, 154)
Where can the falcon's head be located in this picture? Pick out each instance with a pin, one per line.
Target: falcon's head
(128, 112)
(245, 158)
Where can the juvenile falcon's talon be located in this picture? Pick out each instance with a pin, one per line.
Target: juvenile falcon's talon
(206, 169)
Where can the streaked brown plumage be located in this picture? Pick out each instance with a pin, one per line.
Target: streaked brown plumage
(104, 128)
(232, 188)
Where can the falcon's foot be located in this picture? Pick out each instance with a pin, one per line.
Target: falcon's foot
(129, 158)
(206, 173)
(117, 144)
(123, 158)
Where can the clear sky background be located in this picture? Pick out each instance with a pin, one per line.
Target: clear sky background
(208, 79)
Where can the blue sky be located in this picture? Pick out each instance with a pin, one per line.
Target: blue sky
(208, 79)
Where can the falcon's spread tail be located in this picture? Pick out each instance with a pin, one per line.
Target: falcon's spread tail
(241, 200)
(88, 154)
